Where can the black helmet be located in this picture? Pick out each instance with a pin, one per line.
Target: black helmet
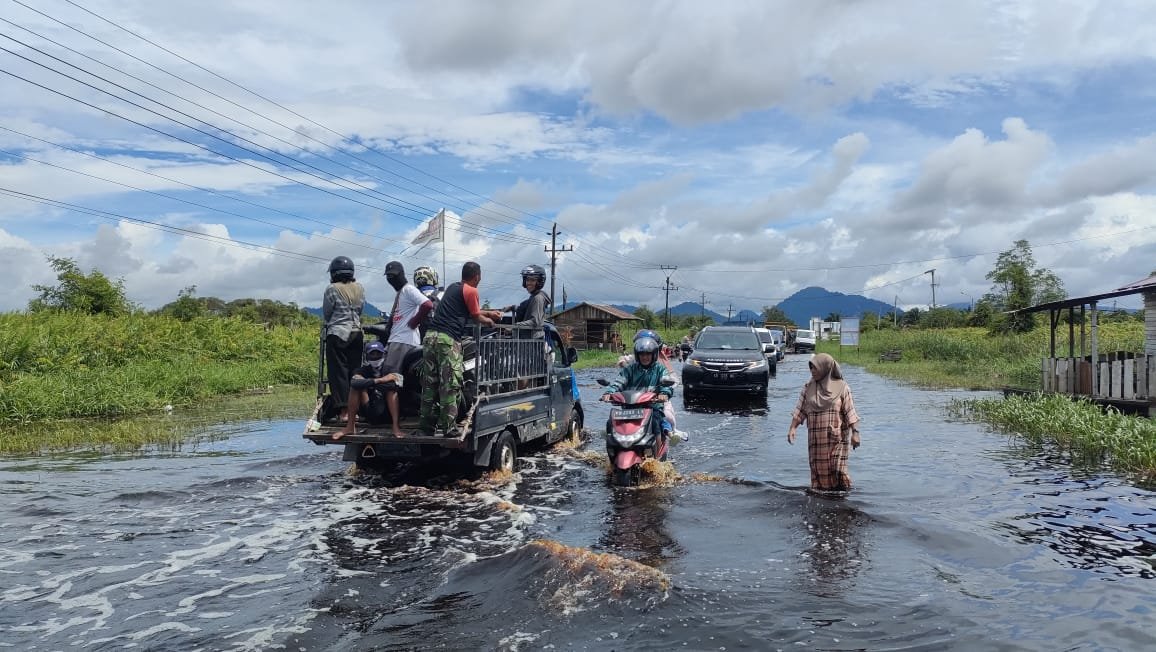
(534, 271)
(341, 266)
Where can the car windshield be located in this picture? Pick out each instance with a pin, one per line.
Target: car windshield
(733, 340)
(765, 336)
(806, 333)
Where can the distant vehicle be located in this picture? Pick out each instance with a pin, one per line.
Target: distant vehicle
(780, 343)
(804, 341)
(770, 349)
(726, 359)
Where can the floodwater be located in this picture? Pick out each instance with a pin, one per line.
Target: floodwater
(954, 538)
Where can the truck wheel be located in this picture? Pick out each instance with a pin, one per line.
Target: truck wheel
(574, 432)
(504, 454)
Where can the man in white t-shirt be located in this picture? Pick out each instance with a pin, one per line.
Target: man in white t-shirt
(410, 309)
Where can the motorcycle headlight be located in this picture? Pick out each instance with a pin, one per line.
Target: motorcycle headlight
(759, 364)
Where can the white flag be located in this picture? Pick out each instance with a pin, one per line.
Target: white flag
(433, 231)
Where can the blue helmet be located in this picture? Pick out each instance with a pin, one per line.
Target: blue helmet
(645, 345)
(646, 332)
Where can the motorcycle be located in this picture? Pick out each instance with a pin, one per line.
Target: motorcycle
(634, 431)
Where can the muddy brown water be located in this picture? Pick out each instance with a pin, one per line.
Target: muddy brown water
(954, 538)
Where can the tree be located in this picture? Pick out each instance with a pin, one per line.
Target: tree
(646, 315)
(776, 314)
(187, 307)
(93, 293)
(1017, 284)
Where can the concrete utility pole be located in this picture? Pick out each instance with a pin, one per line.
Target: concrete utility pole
(932, 272)
(668, 287)
(553, 250)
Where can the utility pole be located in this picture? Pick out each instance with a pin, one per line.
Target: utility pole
(553, 250)
(703, 313)
(932, 272)
(895, 312)
(730, 309)
(668, 287)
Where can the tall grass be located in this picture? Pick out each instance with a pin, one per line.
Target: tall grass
(1081, 429)
(71, 365)
(971, 357)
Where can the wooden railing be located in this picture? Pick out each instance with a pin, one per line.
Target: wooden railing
(1123, 376)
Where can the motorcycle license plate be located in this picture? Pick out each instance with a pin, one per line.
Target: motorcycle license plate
(628, 415)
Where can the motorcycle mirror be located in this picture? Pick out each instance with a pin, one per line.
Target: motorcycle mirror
(667, 381)
(603, 382)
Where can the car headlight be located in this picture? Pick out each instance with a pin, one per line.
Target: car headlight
(759, 364)
(694, 362)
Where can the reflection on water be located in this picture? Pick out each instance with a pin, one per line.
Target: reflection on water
(834, 538)
(635, 521)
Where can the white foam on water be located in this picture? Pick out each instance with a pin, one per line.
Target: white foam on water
(514, 642)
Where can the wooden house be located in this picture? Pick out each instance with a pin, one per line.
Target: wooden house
(592, 325)
(1126, 380)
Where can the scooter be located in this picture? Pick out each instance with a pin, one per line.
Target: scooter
(634, 431)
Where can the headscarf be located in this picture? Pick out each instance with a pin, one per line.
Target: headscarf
(822, 393)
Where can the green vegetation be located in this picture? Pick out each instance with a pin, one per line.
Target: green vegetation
(60, 365)
(1080, 429)
(971, 358)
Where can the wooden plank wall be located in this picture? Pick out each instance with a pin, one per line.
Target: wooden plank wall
(1126, 378)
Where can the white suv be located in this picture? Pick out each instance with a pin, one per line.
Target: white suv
(804, 341)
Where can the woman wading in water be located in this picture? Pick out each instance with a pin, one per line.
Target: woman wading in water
(828, 409)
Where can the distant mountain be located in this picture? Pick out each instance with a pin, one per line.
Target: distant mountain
(817, 302)
(369, 310)
(800, 307)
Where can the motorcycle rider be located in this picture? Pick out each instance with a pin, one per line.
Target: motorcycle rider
(643, 373)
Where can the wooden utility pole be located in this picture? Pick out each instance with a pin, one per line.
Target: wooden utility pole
(553, 250)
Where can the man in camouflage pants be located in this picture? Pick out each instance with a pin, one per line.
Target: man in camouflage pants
(441, 365)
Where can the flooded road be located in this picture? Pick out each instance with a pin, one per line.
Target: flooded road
(954, 538)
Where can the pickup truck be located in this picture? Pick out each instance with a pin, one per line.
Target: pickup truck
(518, 388)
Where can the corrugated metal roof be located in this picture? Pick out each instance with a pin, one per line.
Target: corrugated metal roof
(610, 310)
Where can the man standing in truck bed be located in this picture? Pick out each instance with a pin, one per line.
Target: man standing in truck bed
(441, 367)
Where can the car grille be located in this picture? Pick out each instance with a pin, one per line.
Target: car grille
(723, 366)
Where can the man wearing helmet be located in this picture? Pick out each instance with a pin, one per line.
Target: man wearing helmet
(341, 308)
(644, 372)
(426, 280)
(531, 313)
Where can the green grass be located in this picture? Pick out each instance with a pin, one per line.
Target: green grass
(971, 358)
(1088, 434)
(69, 366)
(596, 358)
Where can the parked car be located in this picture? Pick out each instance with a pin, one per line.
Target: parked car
(804, 341)
(726, 359)
(770, 349)
(780, 344)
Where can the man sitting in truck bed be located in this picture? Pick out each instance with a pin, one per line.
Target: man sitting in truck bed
(367, 390)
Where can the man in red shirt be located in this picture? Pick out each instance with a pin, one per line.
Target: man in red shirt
(441, 365)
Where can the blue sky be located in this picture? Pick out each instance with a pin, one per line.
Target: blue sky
(759, 146)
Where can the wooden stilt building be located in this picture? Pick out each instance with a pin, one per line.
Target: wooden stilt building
(1126, 380)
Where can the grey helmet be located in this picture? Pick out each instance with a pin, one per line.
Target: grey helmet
(534, 271)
